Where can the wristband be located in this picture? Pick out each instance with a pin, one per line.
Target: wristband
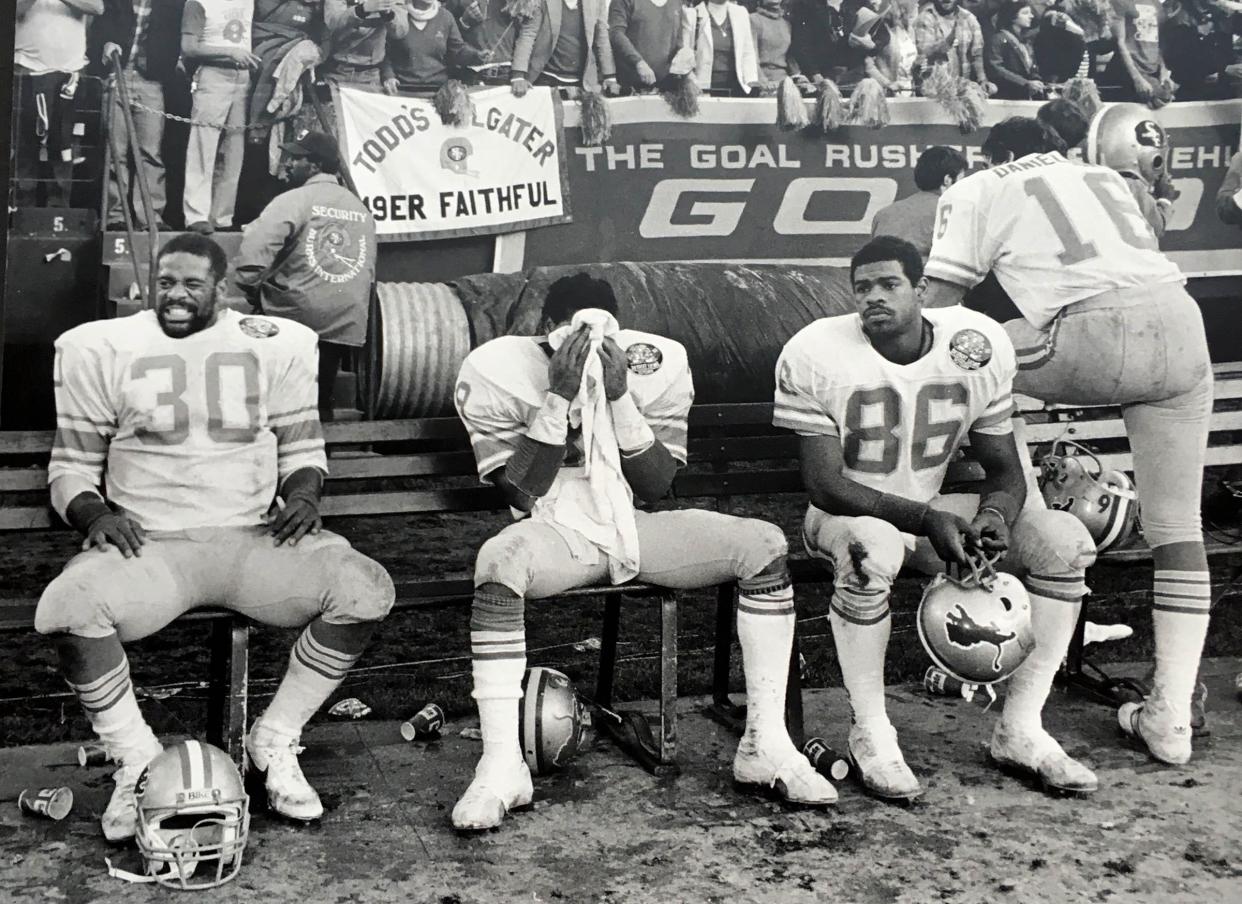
(1004, 504)
(84, 512)
(551, 424)
(533, 466)
(634, 434)
(904, 514)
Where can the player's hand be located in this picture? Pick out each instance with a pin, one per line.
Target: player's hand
(293, 520)
(565, 368)
(992, 532)
(116, 530)
(950, 535)
(616, 369)
(519, 87)
(645, 73)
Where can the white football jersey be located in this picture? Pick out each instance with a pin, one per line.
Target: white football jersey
(502, 385)
(1054, 231)
(194, 432)
(899, 424)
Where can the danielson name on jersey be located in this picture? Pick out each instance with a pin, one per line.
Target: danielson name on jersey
(899, 424)
(1054, 231)
(503, 382)
(194, 432)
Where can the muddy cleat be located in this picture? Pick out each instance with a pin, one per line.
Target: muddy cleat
(1199, 727)
(120, 817)
(1152, 723)
(790, 775)
(1033, 752)
(491, 795)
(879, 764)
(288, 792)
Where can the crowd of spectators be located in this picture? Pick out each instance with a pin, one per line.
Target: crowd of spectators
(242, 61)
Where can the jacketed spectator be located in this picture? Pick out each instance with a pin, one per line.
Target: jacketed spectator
(310, 256)
(1011, 58)
(146, 36)
(819, 38)
(1060, 44)
(944, 32)
(425, 56)
(357, 31)
(49, 56)
(281, 27)
(215, 44)
(914, 218)
(487, 27)
(646, 35)
(724, 48)
(772, 39)
(564, 42)
(1197, 42)
(1138, 65)
(1229, 198)
(890, 61)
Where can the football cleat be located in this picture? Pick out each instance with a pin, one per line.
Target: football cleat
(1033, 752)
(491, 795)
(1199, 727)
(878, 762)
(288, 792)
(790, 774)
(1152, 723)
(120, 817)
(1072, 480)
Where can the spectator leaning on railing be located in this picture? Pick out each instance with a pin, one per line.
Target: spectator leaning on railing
(487, 27)
(1138, 65)
(1061, 46)
(943, 32)
(432, 46)
(773, 36)
(49, 55)
(563, 42)
(1011, 58)
(724, 48)
(818, 39)
(281, 28)
(892, 55)
(1197, 42)
(215, 43)
(146, 36)
(646, 35)
(357, 32)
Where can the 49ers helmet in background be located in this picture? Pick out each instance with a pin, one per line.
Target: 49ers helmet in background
(551, 720)
(1073, 480)
(193, 816)
(976, 628)
(1126, 138)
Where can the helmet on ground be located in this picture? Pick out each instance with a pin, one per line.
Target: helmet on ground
(977, 628)
(1126, 138)
(193, 816)
(551, 720)
(1073, 480)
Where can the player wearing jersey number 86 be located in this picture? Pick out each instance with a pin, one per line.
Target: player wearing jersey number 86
(882, 399)
(1106, 320)
(206, 422)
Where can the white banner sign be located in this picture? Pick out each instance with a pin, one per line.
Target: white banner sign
(421, 179)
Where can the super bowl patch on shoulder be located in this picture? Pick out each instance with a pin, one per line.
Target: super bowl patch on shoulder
(258, 328)
(970, 349)
(643, 358)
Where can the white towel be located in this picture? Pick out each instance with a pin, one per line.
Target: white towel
(593, 502)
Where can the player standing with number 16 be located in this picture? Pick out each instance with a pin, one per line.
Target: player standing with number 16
(1106, 320)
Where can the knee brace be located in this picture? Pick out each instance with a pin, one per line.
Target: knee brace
(359, 588)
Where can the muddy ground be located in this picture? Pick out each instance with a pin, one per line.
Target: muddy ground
(606, 831)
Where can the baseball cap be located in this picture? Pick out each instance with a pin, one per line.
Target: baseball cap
(316, 146)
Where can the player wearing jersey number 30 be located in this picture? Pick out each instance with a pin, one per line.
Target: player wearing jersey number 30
(1106, 320)
(206, 422)
(882, 400)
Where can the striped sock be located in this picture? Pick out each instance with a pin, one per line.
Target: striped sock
(498, 651)
(317, 666)
(1180, 617)
(1055, 603)
(112, 709)
(765, 629)
(861, 625)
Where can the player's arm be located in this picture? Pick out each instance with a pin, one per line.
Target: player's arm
(301, 462)
(1003, 491)
(647, 463)
(962, 250)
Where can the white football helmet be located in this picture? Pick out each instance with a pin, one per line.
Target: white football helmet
(552, 720)
(1127, 138)
(977, 628)
(193, 816)
(1073, 480)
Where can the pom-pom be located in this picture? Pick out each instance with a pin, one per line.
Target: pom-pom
(453, 103)
(683, 97)
(868, 106)
(964, 100)
(829, 108)
(1083, 93)
(790, 107)
(596, 119)
(974, 103)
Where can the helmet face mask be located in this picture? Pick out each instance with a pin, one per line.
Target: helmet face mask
(552, 722)
(1127, 138)
(1073, 480)
(193, 817)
